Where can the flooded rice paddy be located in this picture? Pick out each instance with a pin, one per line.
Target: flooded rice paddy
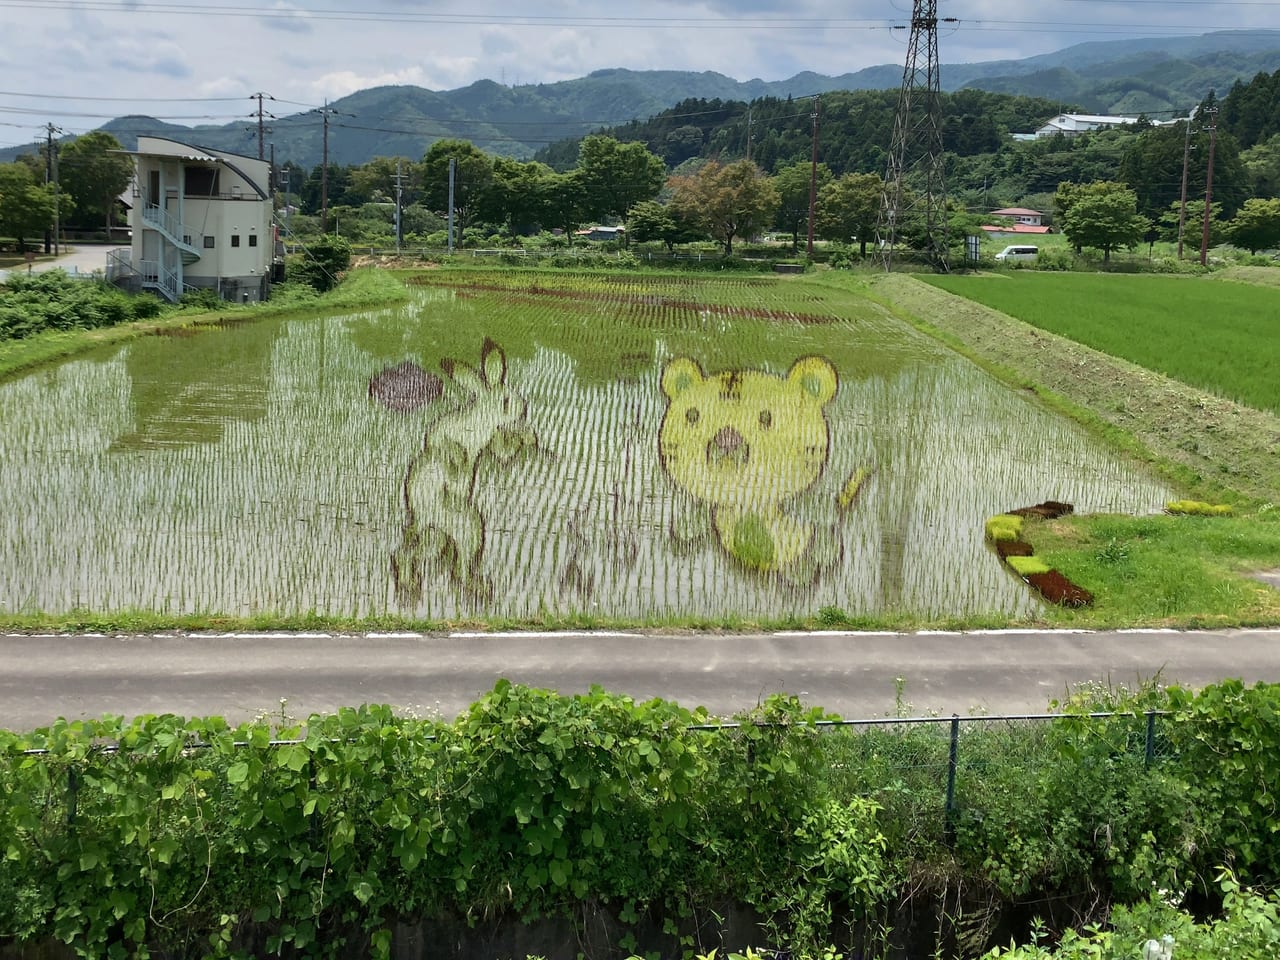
(511, 445)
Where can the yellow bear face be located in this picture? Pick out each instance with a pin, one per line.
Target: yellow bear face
(745, 439)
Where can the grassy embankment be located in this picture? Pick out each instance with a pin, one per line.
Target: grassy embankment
(1191, 344)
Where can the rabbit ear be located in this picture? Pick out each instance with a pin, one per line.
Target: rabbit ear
(493, 363)
(462, 375)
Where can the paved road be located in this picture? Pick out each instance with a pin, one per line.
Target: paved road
(83, 258)
(241, 675)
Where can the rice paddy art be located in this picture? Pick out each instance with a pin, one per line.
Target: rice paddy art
(745, 443)
(519, 445)
(442, 523)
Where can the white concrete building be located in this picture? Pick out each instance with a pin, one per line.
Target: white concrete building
(201, 218)
(1074, 124)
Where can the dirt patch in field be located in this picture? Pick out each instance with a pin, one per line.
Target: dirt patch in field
(393, 263)
(1270, 577)
(629, 300)
(1224, 444)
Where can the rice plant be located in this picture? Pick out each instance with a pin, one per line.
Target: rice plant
(270, 467)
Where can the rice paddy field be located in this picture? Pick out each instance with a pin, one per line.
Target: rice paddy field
(1219, 336)
(525, 445)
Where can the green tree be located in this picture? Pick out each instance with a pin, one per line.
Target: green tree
(26, 207)
(792, 184)
(473, 176)
(728, 201)
(651, 221)
(376, 180)
(564, 201)
(1256, 225)
(323, 261)
(312, 189)
(94, 174)
(1262, 163)
(1193, 227)
(1152, 167)
(849, 208)
(1104, 220)
(615, 176)
(517, 197)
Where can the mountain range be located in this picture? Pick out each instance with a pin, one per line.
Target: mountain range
(1160, 77)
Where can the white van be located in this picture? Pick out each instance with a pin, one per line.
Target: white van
(1025, 252)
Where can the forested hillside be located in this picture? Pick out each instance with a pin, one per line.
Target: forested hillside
(855, 128)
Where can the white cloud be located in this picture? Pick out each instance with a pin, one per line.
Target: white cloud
(444, 73)
(287, 17)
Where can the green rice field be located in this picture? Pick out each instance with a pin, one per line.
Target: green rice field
(1220, 336)
(511, 444)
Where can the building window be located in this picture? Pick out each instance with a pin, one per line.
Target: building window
(201, 182)
(208, 243)
(253, 239)
(235, 239)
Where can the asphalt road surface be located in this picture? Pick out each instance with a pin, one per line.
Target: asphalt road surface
(855, 674)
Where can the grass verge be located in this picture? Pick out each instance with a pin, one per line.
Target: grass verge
(1180, 571)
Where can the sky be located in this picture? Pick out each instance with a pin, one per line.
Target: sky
(78, 63)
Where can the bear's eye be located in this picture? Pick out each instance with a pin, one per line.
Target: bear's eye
(692, 415)
(766, 419)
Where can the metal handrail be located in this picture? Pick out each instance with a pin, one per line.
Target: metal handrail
(170, 225)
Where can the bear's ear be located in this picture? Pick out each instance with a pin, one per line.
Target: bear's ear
(679, 375)
(816, 377)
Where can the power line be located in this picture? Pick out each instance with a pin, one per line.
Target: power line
(632, 22)
(68, 96)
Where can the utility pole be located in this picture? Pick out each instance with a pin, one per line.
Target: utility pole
(261, 128)
(285, 182)
(1182, 209)
(915, 152)
(399, 207)
(1208, 186)
(52, 243)
(748, 131)
(813, 172)
(453, 171)
(325, 113)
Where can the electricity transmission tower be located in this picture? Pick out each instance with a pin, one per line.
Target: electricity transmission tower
(914, 203)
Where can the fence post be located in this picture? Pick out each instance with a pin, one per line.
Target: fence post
(949, 829)
(1151, 740)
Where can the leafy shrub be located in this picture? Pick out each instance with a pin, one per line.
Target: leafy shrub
(33, 303)
(530, 802)
(1058, 259)
(1249, 929)
(1228, 745)
(534, 803)
(203, 300)
(322, 262)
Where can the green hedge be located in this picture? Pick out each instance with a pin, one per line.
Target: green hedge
(34, 303)
(191, 836)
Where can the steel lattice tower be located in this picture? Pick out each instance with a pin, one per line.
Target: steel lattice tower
(914, 203)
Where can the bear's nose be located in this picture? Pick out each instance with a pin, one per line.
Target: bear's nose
(727, 441)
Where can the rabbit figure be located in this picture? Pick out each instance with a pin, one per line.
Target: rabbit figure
(442, 524)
